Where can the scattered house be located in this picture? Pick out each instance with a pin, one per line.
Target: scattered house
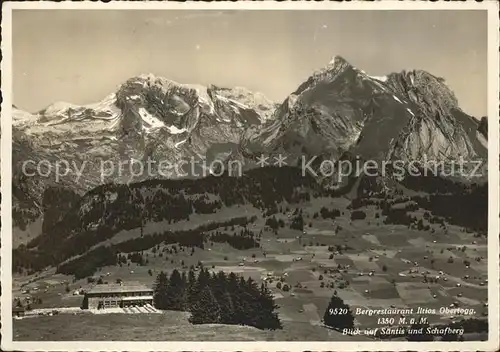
(117, 295)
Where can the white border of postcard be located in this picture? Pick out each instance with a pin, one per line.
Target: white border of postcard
(492, 344)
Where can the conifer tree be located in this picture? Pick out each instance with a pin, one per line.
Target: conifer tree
(184, 282)
(227, 314)
(203, 279)
(268, 317)
(243, 309)
(218, 285)
(191, 288)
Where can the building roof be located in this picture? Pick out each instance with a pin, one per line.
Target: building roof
(119, 288)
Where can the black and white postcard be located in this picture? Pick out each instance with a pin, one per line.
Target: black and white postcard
(250, 176)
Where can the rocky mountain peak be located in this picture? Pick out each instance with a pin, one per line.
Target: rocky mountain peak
(147, 117)
(425, 90)
(334, 69)
(341, 109)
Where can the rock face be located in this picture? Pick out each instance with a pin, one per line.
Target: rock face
(439, 129)
(341, 109)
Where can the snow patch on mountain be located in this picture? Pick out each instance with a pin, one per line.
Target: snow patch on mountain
(397, 99)
(208, 103)
(234, 103)
(22, 118)
(379, 78)
(59, 107)
(243, 106)
(180, 143)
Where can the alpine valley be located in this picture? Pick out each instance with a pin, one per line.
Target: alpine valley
(316, 229)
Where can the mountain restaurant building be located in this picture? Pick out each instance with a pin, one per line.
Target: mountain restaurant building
(117, 296)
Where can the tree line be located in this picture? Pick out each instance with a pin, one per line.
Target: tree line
(88, 263)
(72, 230)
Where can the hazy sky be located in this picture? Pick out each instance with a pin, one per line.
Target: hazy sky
(81, 56)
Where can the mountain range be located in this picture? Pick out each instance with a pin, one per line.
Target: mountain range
(339, 111)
